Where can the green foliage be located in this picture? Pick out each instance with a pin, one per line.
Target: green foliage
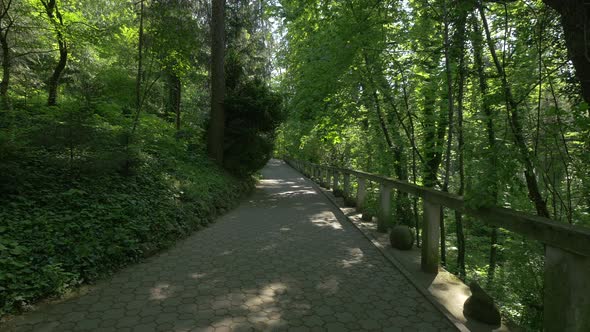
(253, 113)
(98, 181)
(369, 86)
(69, 215)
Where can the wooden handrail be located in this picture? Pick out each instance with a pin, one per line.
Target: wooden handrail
(575, 239)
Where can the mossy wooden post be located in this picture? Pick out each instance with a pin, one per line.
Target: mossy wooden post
(346, 185)
(567, 291)
(430, 237)
(384, 207)
(327, 179)
(334, 180)
(361, 194)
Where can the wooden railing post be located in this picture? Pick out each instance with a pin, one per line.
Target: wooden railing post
(327, 179)
(346, 185)
(567, 291)
(430, 237)
(384, 207)
(334, 180)
(361, 193)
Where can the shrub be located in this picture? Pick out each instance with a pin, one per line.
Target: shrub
(69, 216)
(253, 113)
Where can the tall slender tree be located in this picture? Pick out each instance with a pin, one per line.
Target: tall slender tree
(57, 21)
(516, 125)
(575, 20)
(217, 114)
(6, 25)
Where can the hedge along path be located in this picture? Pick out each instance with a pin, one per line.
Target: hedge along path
(280, 261)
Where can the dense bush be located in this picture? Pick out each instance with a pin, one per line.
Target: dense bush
(69, 214)
(253, 113)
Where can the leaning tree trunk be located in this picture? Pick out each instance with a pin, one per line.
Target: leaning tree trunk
(392, 138)
(54, 15)
(217, 120)
(516, 126)
(403, 209)
(57, 71)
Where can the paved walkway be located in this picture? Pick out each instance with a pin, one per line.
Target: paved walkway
(280, 261)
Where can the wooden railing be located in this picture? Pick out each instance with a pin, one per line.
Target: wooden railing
(567, 247)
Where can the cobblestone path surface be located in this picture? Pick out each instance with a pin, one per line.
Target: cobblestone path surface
(281, 261)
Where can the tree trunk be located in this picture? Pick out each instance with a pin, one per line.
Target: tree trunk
(491, 134)
(57, 71)
(493, 256)
(174, 97)
(403, 209)
(415, 153)
(52, 10)
(516, 127)
(217, 119)
(6, 23)
(139, 75)
(376, 103)
(6, 67)
(461, 165)
(575, 20)
(459, 41)
(450, 112)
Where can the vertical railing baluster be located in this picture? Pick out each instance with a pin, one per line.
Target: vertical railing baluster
(361, 194)
(430, 237)
(346, 185)
(335, 180)
(567, 291)
(384, 207)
